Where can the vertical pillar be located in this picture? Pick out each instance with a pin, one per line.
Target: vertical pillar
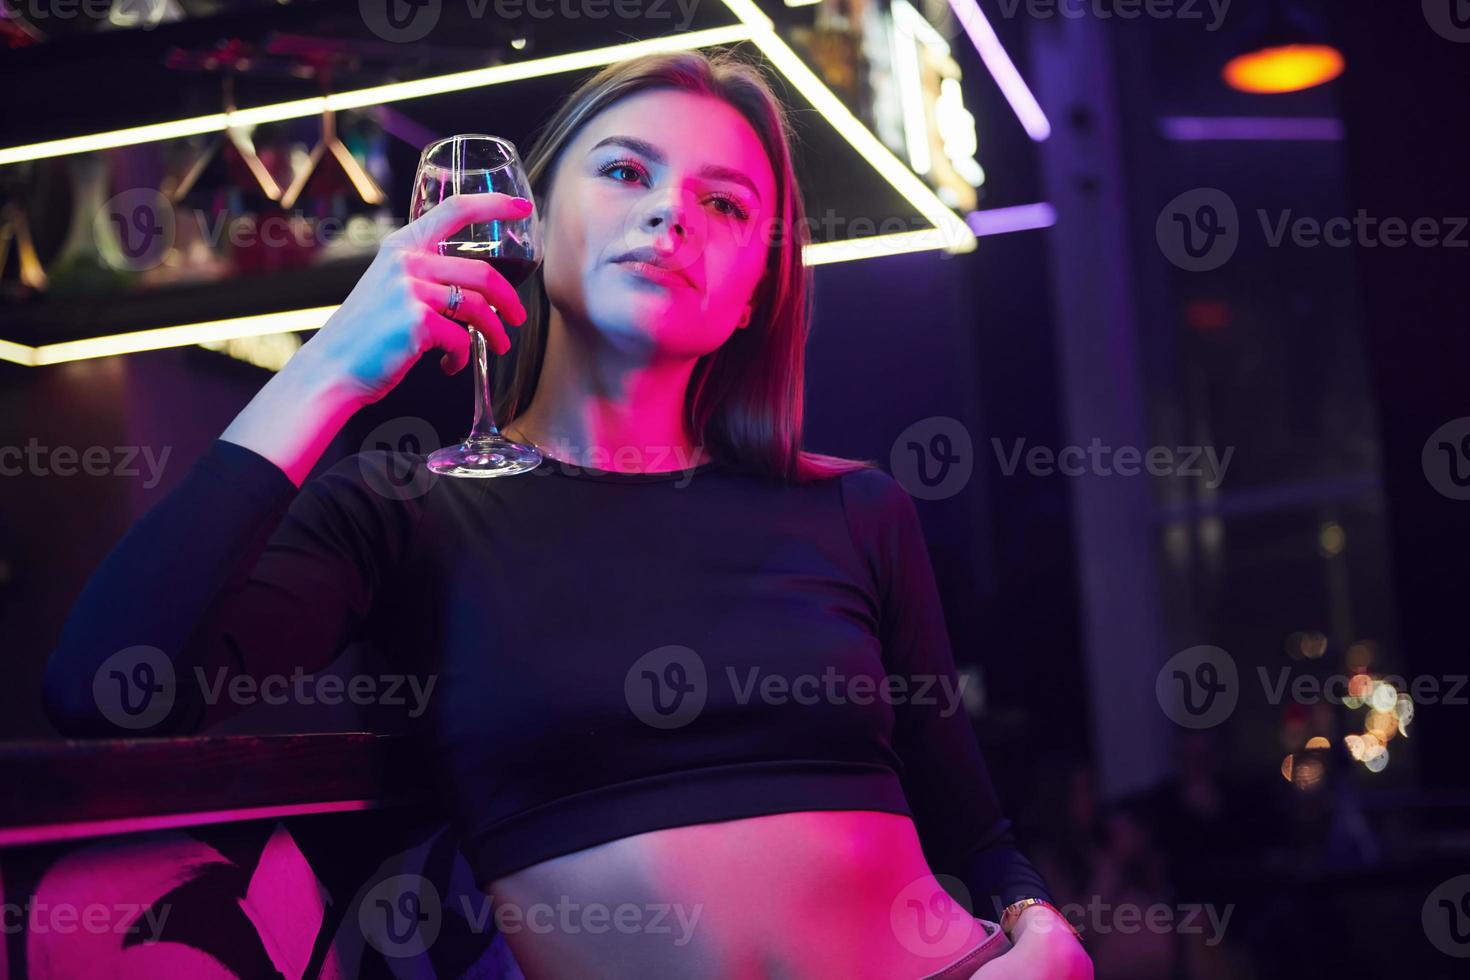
(1101, 380)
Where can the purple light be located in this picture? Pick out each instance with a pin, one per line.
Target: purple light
(1022, 217)
(408, 130)
(1189, 129)
(1002, 69)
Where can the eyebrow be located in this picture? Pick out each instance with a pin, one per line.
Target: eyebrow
(711, 170)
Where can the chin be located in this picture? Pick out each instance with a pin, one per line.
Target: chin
(631, 318)
(676, 334)
(643, 331)
(671, 329)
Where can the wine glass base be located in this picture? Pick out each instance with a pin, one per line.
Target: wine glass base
(490, 456)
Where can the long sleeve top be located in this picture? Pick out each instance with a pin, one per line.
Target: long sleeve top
(584, 654)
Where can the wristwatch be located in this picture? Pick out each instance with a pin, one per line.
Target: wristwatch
(1012, 914)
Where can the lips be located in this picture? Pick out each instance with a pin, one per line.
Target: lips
(650, 265)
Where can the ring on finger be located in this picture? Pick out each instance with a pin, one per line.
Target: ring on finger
(456, 296)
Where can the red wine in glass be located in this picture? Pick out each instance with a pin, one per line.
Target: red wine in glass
(479, 164)
(515, 268)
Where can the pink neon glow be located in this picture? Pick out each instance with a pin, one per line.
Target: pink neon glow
(131, 879)
(285, 903)
(101, 910)
(72, 830)
(1002, 69)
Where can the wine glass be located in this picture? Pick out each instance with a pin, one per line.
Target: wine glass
(477, 164)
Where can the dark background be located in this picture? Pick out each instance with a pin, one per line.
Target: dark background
(1325, 369)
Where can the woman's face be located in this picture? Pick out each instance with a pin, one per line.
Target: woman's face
(683, 176)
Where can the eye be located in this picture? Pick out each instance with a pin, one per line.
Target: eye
(608, 169)
(732, 207)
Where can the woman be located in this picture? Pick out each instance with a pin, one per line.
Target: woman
(681, 665)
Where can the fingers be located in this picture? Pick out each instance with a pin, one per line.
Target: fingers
(455, 212)
(471, 274)
(473, 309)
(449, 337)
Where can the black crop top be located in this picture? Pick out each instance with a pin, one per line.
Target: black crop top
(612, 653)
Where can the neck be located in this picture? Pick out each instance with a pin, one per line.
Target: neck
(600, 406)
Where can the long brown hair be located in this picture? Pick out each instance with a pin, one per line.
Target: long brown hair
(744, 400)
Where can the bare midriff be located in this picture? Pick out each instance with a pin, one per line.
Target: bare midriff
(799, 896)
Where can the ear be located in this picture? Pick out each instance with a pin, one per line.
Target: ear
(756, 298)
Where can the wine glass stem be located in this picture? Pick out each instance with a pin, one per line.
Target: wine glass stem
(484, 426)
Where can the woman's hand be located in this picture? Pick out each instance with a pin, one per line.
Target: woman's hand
(392, 315)
(390, 318)
(1044, 949)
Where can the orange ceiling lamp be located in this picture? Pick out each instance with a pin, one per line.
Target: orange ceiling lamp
(1287, 55)
(1284, 68)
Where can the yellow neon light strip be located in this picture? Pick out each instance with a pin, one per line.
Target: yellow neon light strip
(957, 236)
(17, 353)
(950, 232)
(377, 95)
(907, 74)
(821, 253)
(161, 337)
(915, 24)
(896, 243)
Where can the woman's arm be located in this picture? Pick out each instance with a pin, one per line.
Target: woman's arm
(964, 831)
(295, 416)
(236, 573)
(192, 594)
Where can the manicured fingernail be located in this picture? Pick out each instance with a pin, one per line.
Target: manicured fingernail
(523, 203)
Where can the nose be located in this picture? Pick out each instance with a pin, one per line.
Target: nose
(671, 222)
(666, 219)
